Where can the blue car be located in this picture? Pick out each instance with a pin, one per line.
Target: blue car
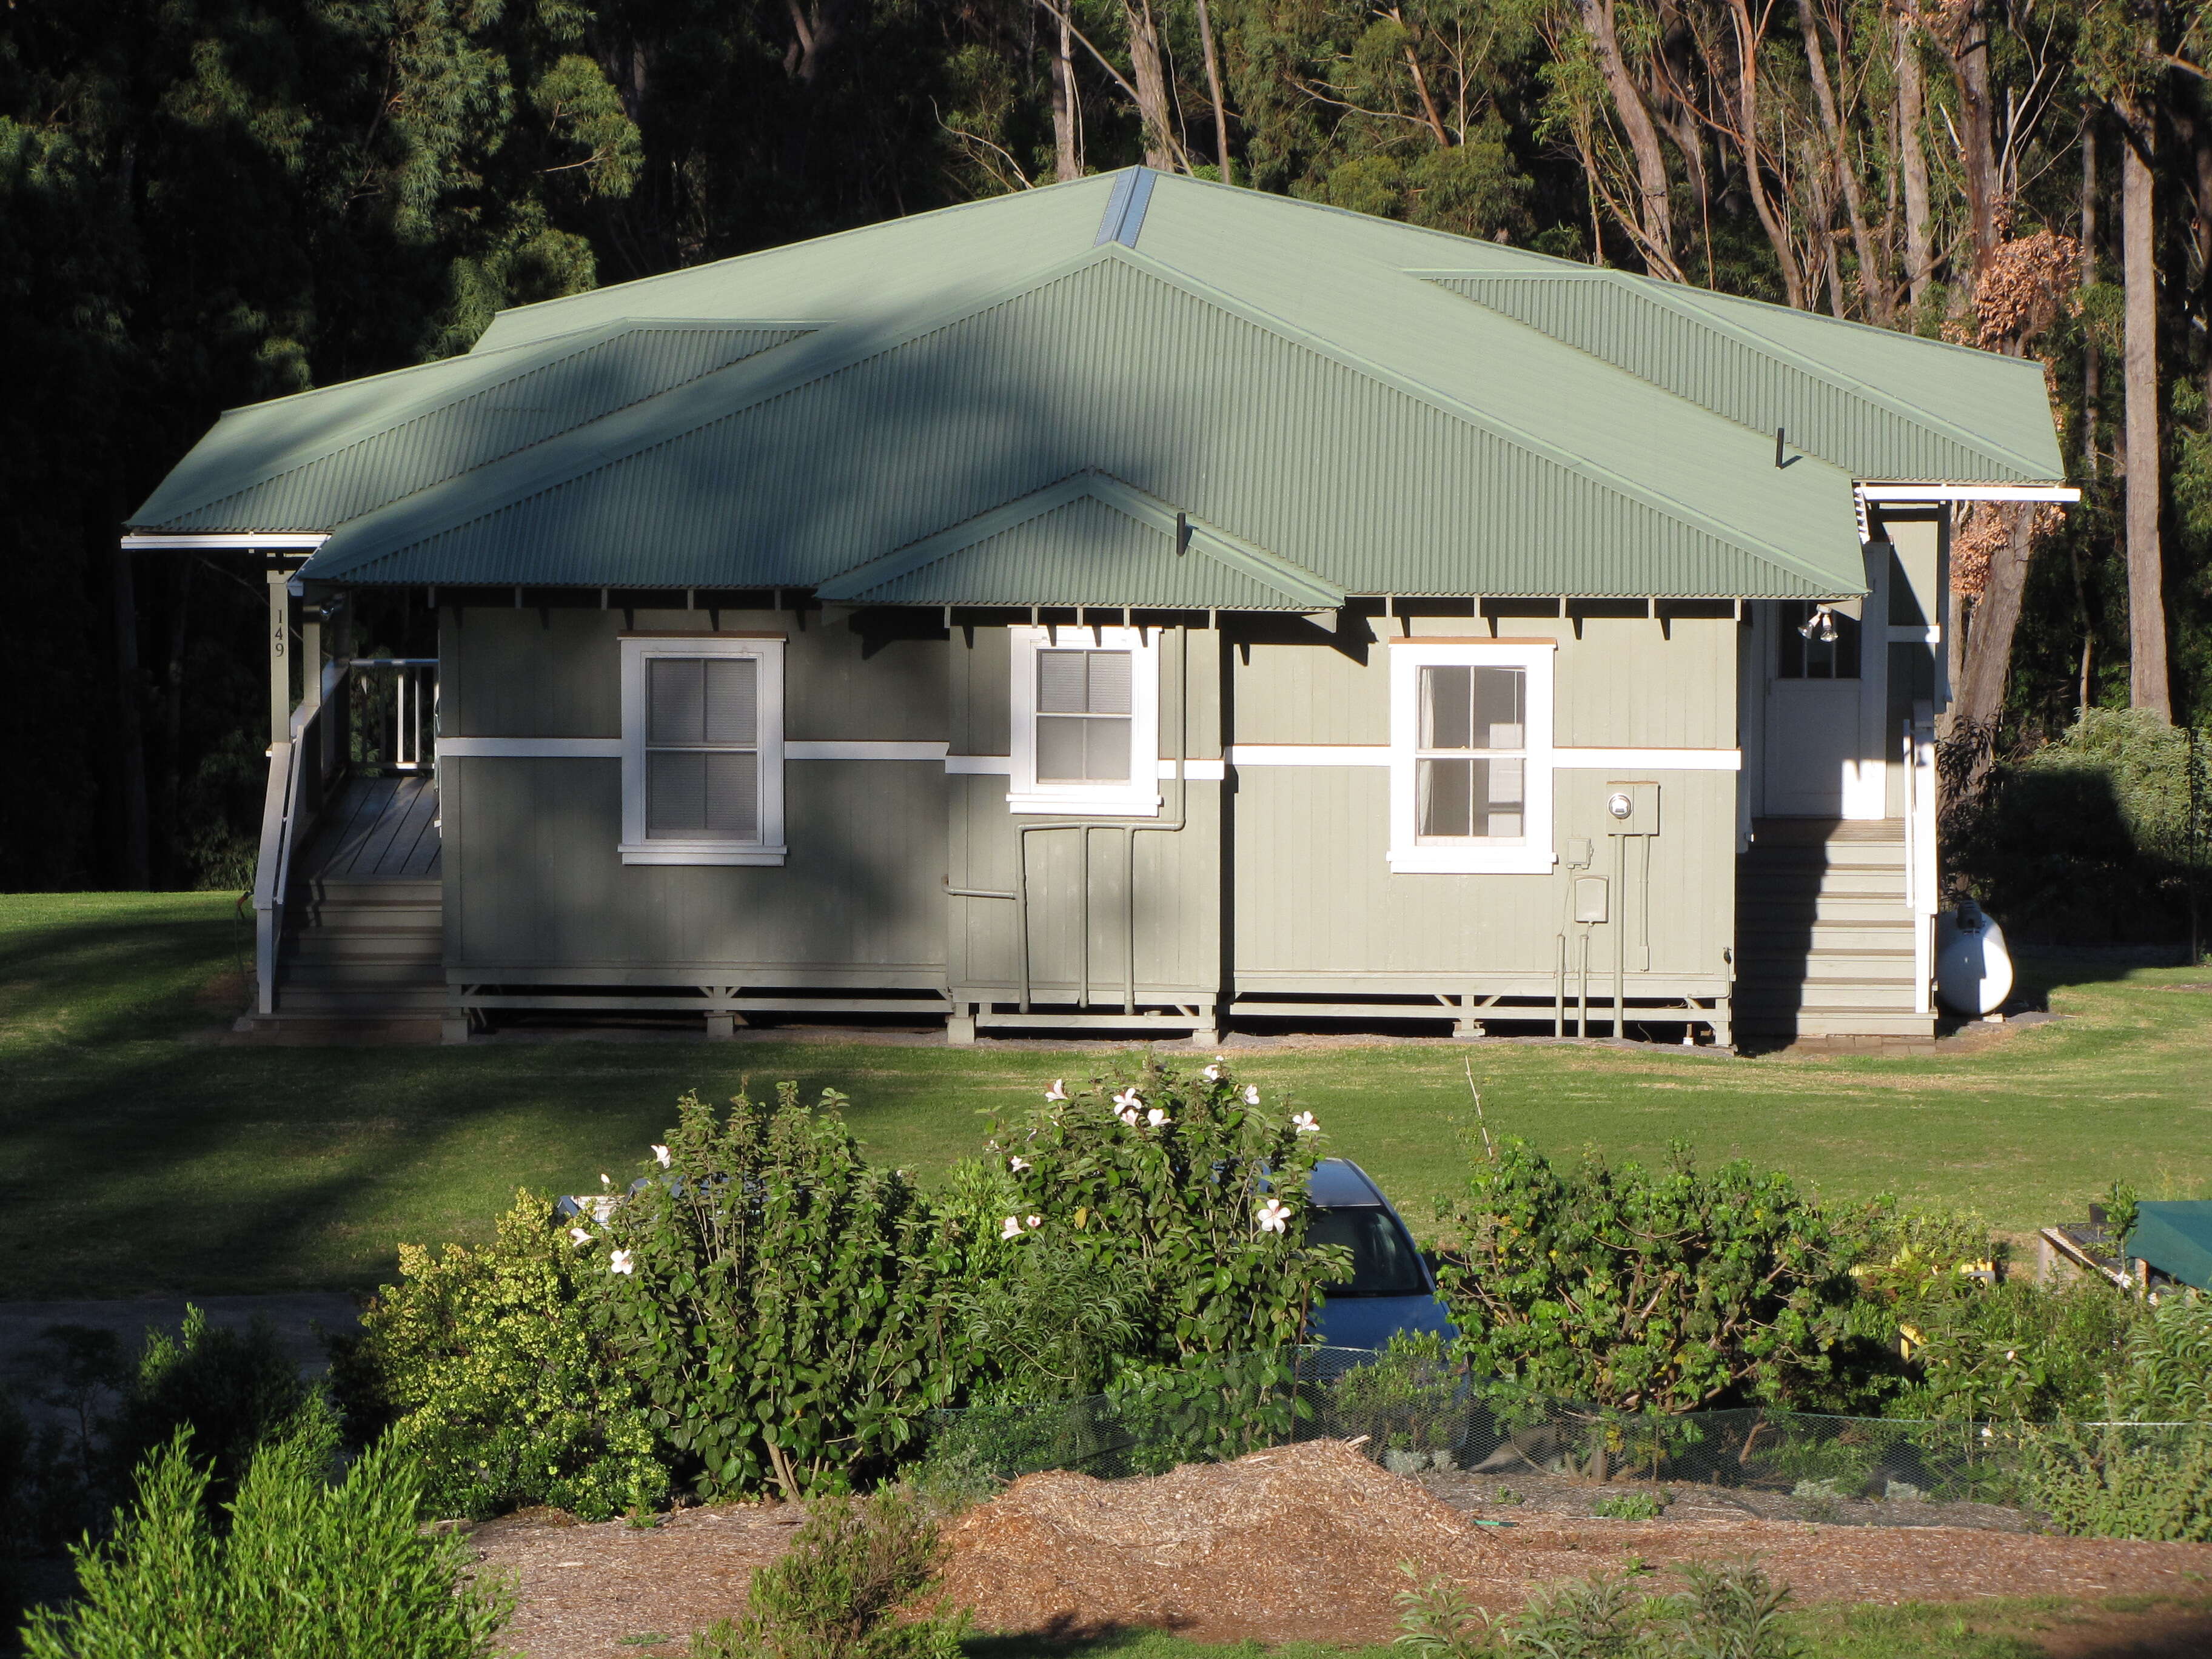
(1391, 1288)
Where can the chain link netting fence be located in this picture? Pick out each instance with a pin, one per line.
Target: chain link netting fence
(1415, 1418)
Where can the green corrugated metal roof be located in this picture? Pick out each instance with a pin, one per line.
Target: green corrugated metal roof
(1088, 539)
(2175, 1237)
(321, 458)
(1279, 370)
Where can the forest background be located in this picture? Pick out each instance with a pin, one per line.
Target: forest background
(204, 203)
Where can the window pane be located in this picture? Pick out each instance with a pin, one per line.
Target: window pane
(675, 700)
(1060, 682)
(1060, 749)
(1447, 711)
(675, 793)
(1106, 752)
(1498, 797)
(733, 699)
(1110, 682)
(732, 804)
(1500, 708)
(1445, 800)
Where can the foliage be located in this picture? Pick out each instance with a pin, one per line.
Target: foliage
(308, 1566)
(1731, 1610)
(1636, 1289)
(1187, 1188)
(233, 1391)
(480, 1366)
(848, 1588)
(2113, 1481)
(2092, 837)
(2165, 1373)
(781, 1303)
(1050, 1320)
(1405, 1400)
(1629, 1506)
(2015, 1350)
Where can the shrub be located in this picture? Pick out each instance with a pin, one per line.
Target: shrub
(1410, 1398)
(478, 1363)
(782, 1304)
(2013, 1351)
(1730, 1611)
(2087, 839)
(1184, 1186)
(232, 1390)
(307, 1568)
(1643, 1290)
(2112, 1481)
(845, 1589)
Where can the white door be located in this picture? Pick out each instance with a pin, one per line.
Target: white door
(1814, 701)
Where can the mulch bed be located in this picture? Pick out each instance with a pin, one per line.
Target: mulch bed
(1298, 1543)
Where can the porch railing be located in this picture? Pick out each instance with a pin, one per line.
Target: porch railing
(367, 715)
(1922, 876)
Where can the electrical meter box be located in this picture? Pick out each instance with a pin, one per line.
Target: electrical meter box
(1589, 898)
(1631, 809)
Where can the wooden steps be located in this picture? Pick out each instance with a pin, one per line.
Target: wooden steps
(1824, 938)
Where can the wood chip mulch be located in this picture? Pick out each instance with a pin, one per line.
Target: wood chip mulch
(1298, 1543)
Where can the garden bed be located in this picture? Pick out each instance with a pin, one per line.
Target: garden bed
(1299, 1543)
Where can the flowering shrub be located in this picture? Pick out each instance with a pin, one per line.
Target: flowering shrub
(780, 1305)
(1650, 1290)
(1193, 1190)
(490, 1383)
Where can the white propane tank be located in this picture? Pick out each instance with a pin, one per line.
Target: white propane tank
(1973, 974)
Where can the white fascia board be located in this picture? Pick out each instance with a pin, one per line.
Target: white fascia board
(1967, 492)
(269, 542)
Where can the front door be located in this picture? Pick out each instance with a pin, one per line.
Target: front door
(1815, 665)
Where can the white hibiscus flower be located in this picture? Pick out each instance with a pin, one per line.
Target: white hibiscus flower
(661, 1155)
(621, 1263)
(1011, 1227)
(1273, 1217)
(1305, 1125)
(1059, 1089)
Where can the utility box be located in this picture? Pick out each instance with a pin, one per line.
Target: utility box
(1589, 898)
(1631, 809)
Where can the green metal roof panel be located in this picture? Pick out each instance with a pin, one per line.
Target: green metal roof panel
(855, 442)
(2175, 1237)
(1086, 540)
(1846, 394)
(318, 459)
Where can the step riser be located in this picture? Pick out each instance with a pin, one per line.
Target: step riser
(1850, 910)
(1832, 998)
(1769, 942)
(1846, 965)
(362, 947)
(302, 1002)
(1752, 888)
(358, 976)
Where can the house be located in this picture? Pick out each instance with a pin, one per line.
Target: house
(1137, 605)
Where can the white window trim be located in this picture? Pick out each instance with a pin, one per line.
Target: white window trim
(1140, 797)
(1531, 853)
(636, 848)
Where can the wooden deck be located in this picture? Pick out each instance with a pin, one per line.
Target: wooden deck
(378, 829)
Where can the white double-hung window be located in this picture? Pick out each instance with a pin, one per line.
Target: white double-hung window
(1085, 733)
(1471, 755)
(703, 750)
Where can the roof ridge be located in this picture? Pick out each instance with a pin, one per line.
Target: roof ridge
(1670, 294)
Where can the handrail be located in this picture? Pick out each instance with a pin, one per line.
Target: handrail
(1921, 872)
(269, 873)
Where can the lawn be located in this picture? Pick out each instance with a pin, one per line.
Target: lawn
(137, 1155)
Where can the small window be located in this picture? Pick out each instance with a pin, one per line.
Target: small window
(1085, 722)
(1470, 756)
(1807, 656)
(702, 751)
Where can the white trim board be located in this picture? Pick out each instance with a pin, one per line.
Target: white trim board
(836, 749)
(529, 748)
(1660, 760)
(1968, 492)
(280, 541)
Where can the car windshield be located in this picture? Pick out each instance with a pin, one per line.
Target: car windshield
(1383, 1262)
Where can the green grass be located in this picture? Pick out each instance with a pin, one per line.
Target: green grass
(1991, 1628)
(138, 1155)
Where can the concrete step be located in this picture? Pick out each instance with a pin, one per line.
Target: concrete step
(1846, 1023)
(1752, 882)
(362, 1005)
(1824, 995)
(1819, 965)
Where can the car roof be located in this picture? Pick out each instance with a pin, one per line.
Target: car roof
(1340, 1183)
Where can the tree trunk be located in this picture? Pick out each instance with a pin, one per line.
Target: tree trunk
(1151, 84)
(1873, 286)
(129, 725)
(1970, 68)
(2147, 679)
(1066, 133)
(1911, 102)
(1213, 91)
(2093, 366)
(1978, 695)
(1772, 219)
(1654, 229)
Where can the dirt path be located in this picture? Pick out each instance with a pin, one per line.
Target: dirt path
(1299, 1544)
